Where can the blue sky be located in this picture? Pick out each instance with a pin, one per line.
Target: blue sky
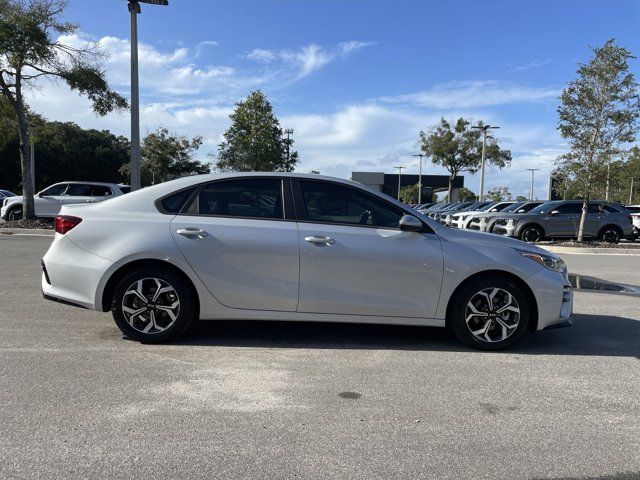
(356, 80)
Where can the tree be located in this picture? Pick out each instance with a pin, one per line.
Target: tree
(598, 115)
(166, 155)
(254, 140)
(29, 52)
(64, 151)
(498, 194)
(458, 148)
(521, 198)
(466, 195)
(409, 194)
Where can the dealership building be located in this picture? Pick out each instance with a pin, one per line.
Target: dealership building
(388, 183)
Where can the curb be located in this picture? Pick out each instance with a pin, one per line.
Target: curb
(591, 251)
(27, 232)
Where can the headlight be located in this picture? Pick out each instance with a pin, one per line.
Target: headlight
(552, 263)
(485, 219)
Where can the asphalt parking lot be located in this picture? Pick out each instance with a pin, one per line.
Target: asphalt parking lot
(277, 400)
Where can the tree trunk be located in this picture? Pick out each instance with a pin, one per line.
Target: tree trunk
(583, 218)
(452, 177)
(28, 210)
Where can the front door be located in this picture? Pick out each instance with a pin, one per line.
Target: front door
(355, 261)
(566, 222)
(236, 238)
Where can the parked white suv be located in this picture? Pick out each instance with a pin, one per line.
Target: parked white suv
(49, 201)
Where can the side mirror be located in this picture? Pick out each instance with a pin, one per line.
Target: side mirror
(521, 210)
(554, 212)
(409, 223)
(493, 210)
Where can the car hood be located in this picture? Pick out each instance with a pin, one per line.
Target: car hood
(15, 199)
(470, 212)
(477, 240)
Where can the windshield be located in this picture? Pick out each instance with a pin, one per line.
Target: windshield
(545, 207)
(513, 207)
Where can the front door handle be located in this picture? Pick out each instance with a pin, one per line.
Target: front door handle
(319, 239)
(192, 232)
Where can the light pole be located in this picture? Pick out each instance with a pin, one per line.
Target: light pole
(532, 170)
(134, 10)
(484, 129)
(631, 191)
(399, 177)
(419, 178)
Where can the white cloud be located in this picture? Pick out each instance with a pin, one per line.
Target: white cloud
(202, 46)
(533, 64)
(473, 94)
(309, 58)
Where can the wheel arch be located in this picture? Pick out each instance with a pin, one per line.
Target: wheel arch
(611, 225)
(533, 304)
(121, 272)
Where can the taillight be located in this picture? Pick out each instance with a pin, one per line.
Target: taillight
(65, 223)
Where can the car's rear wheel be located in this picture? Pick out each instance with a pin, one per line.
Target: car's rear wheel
(531, 234)
(610, 234)
(15, 214)
(153, 305)
(489, 313)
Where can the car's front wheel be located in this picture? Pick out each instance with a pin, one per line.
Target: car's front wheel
(489, 313)
(153, 305)
(14, 214)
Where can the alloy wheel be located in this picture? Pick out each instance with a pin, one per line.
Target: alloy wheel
(150, 305)
(492, 315)
(531, 235)
(610, 235)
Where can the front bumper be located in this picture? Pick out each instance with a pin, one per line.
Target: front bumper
(554, 297)
(508, 230)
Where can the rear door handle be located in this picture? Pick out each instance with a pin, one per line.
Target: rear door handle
(192, 232)
(319, 239)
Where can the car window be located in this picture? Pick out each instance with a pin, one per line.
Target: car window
(610, 209)
(174, 203)
(78, 190)
(332, 203)
(100, 191)
(54, 190)
(632, 209)
(569, 208)
(124, 188)
(255, 198)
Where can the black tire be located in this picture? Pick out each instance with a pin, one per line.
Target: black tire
(167, 328)
(459, 310)
(610, 234)
(14, 214)
(531, 234)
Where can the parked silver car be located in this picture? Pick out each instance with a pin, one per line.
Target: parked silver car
(485, 221)
(561, 219)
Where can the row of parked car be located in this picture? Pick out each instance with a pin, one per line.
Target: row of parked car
(533, 221)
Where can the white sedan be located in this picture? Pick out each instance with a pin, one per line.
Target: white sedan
(280, 246)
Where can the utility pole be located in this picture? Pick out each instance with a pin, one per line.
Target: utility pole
(532, 170)
(288, 132)
(484, 129)
(419, 178)
(399, 177)
(32, 156)
(134, 10)
(631, 191)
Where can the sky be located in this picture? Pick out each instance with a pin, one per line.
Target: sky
(357, 80)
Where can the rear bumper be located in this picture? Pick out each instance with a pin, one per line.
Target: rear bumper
(72, 275)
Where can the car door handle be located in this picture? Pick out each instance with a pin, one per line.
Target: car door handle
(192, 232)
(319, 239)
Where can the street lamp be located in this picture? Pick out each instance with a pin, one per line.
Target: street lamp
(134, 10)
(419, 178)
(484, 129)
(399, 176)
(532, 170)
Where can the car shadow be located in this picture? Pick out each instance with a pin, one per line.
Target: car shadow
(596, 335)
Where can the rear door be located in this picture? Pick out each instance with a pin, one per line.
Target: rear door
(241, 244)
(355, 261)
(77, 193)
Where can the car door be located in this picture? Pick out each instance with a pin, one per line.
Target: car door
(566, 222)
(49, 201)
(355, 261)
(236, 237)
